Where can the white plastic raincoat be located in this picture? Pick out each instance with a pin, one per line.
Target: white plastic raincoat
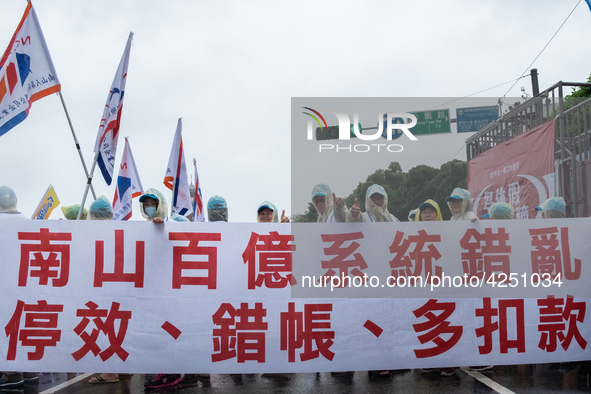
(466, 212)
(162, 205)
(332, 213)
(267, 204)
(373, 212)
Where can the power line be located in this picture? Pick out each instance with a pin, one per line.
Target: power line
(480, 91)
(548, 43)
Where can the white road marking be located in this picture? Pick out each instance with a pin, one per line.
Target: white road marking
(486, 381)
(67, 383)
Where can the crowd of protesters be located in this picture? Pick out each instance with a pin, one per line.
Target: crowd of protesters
(330, 209)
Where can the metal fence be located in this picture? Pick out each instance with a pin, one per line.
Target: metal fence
(573, 139)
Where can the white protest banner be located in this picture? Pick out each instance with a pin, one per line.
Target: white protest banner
(216, 298)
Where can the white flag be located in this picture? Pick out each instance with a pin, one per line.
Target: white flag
(26, 72)
(176, 178)
(108, 133)
(198, 199)
(128, 186)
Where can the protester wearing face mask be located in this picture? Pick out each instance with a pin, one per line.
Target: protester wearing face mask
(153, 206)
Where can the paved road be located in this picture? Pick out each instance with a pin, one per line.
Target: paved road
(538, 379)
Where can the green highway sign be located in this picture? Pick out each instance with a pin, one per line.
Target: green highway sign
(431, 122)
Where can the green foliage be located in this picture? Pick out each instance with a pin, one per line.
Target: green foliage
(577, 119)
(577, 96)
(406, 191)
(310, 216)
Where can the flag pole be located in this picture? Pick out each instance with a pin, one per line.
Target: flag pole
(88, 184)
(77, 145)
(109, 126)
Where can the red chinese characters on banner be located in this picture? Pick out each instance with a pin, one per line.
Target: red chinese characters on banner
(487, 312)
(486, 254)
(105, 321)
(118, 274)
(270, 256)
(551, 256)
(555, 314)
(240, 333)
(420, 260)
(436, 325)
(40, 328)
(48, 259)
(207, 254)
(341, 262)
(306, 329)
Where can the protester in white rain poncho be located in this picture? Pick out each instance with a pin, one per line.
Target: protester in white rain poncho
(179, 218)
(500, 210)
(71, 212)
(267, 213)
(8, 204)
(330, 208)
(460, 205)
(376, 204)
(554, 207)
(100, 209)
(8, 210)
(217, 209)
(496, 211)
(153, 206)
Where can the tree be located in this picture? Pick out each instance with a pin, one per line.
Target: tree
(406, 191)
(310, 216)
(577, 96)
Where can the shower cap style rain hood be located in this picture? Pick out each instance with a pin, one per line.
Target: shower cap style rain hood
(217, 209)
(100, 209)
(7, 200)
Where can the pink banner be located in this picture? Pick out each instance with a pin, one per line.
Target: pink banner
(519, 171)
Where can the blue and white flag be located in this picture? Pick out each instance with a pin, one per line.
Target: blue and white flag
(26, 72)
(176, 178)
(108, 133)
(128, 186)
(198, 199)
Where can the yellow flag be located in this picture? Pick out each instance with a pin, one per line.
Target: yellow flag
(47, 204)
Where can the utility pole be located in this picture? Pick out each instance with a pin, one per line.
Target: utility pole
(534, 82)
(535, 92)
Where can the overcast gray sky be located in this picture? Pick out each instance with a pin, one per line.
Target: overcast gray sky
(230, 69)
